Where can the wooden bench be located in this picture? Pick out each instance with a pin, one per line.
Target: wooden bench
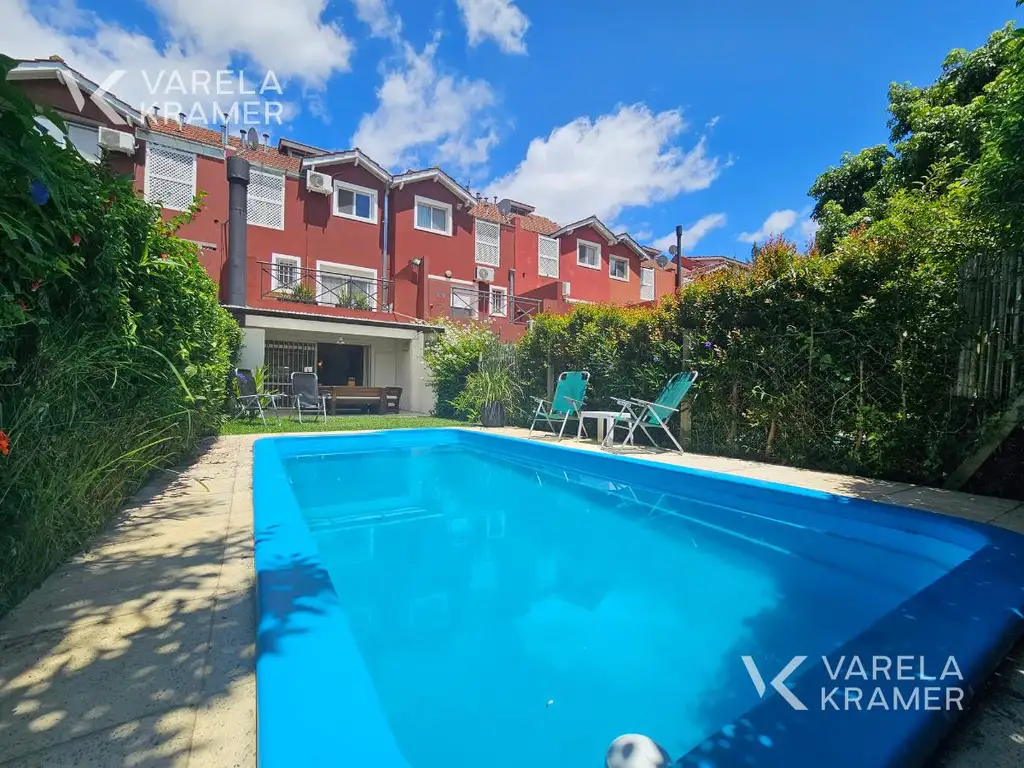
(378, 399)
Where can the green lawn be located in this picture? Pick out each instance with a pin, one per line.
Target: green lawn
(333, 424)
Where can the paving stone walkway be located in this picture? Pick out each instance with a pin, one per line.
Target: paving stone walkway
(139, 651)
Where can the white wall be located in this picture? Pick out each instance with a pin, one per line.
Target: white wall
(411, 374)
(251, 354)
(383, 363)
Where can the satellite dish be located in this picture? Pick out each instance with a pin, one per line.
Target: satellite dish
(662, 260)
(252, 139)
(673, 250)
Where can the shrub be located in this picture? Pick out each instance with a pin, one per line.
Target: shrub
(451, 358)
(114, 352)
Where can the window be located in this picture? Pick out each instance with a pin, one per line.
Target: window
(588, 254)
(266, 199)
(343, 285)
(170, 177)
(499, 301)
(86, 139)
(646, 284)
(285, 272)
(547, 257)
(464, 302)
(618, 268)
(354, 202)
(433, 216)
(488, 243)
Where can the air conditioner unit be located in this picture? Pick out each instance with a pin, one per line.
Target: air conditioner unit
(566, 288)
(319, 182)
(485, 274)
(117, 141)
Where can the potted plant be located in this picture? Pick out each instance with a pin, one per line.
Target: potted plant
(490, 395)
(304, 294)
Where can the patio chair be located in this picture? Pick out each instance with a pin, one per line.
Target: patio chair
(306, 395)
(567, 403)
(643, 413)
(249, 401)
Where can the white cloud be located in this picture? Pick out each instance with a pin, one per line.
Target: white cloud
(694, 234)
(500, 20)
(202, 37)
(809, 228)
(624, 159)
(776, 224)
(425, 116)
(378, 17)
(712, 122)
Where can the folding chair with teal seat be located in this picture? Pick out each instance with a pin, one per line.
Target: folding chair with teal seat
(567, 403)
(644, 414)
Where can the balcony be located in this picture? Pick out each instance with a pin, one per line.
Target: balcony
(495, 304)
(289, 282)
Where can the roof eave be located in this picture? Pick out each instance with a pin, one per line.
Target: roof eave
(42, 70)
(355, 156)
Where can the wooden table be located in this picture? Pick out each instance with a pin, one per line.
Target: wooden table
(372, 396)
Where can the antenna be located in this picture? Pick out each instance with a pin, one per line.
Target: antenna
(252, 139)
(662, 260)
(673, 250)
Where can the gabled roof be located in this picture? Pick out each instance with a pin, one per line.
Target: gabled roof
(355, 156)
(434, 174)
(283, 145)
(627, 239)
(594, 223)
(56, 69)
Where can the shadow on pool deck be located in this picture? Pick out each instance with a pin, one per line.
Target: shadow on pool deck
(140, 650)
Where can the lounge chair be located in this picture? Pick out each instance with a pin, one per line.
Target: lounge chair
(643, 413)
(306, 395)
(249, 401)
(566, 404)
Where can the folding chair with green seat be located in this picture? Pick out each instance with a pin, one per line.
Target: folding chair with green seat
(567, 403)
(644, 414)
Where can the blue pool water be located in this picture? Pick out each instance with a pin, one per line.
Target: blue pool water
(509, 606)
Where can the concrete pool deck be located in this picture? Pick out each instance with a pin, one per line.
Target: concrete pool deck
(139, 650)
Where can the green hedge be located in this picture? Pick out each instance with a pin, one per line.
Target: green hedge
(114, 351)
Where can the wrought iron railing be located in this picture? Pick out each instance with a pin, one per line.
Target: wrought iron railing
(470, 303)
(290, 282)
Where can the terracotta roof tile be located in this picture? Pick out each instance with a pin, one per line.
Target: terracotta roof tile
(186, 130)
(652, 251)
(538, 224)
(270, 156)
(489, 212)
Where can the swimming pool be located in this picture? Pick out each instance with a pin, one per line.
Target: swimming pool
(446, 598)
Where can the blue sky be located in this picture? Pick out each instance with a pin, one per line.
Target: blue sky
(717, 116)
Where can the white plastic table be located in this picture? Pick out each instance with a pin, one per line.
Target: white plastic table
(605, 425)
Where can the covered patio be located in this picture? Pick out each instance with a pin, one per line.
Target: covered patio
(360, 364)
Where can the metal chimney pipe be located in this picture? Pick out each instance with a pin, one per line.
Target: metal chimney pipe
(238, 212)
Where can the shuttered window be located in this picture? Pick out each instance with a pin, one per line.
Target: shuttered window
(488, 243)
(170, 177)
(266, 199)
(646, 284)
(547, 257)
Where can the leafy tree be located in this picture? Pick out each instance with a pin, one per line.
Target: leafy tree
(849, 183)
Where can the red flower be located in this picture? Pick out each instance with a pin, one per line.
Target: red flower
(163, 255)
(75, 239)
(22, 305)
(5, 443)
(36, 284)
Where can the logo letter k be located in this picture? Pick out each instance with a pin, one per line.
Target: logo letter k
(778, 682)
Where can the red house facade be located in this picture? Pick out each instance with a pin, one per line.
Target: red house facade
(342, 268)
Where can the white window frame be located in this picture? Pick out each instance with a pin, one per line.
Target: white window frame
(643, 285)
(272, 201)
(149, 173)
(474, 307)
(614, 259)
(557, 256)
(595, 246)
(417, 202)
(476, 240)
(277, 258)
(355, 189)
(504, 304)
(347, 270)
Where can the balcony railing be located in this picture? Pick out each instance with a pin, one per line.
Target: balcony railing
(472, 304)
(290, 282)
